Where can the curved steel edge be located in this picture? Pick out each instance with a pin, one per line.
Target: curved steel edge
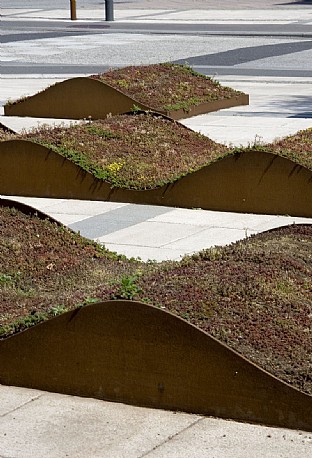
(28, 210)
(138, 354)
(246, 182)
(84, 97)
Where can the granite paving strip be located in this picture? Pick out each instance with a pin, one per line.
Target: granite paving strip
(116, 220)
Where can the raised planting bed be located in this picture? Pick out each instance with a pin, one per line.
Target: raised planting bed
(149, 159)
(135, 353)
(254, 296)
(174, 90)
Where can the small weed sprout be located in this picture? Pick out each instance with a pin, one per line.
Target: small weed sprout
(128, 288)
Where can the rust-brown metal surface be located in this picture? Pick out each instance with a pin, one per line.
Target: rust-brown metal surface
(248, 182)
(83, 97)
(76, 98)
(138, 354)
(208, 107)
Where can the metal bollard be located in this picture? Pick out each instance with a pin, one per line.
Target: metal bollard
(109, 10)
(73, 13)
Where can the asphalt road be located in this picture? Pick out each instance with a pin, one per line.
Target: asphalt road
(254, 47)
(283, 30)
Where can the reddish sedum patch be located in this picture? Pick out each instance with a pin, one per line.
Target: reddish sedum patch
(166, 86)
(138, 151)
(297, 147)
(44, 265)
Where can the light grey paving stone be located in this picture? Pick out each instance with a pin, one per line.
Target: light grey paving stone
(19, 124)
(66, 219)
(116, 220)
(215, 438)
(151, 234)
(69, 206)
(280, 221)
(12, 398)
(65, 426)
(194, 217)
(244, 131)
(147, 253)
(37, 202)
(208, 238)
(198, 217)
(84, 207)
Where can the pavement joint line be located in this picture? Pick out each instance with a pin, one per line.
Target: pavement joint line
(178, 239)
(172, 436)
(35, 398)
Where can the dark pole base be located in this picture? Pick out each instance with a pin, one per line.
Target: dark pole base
(109, 10)
(73, 14)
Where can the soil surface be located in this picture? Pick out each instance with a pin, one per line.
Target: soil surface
(254, 295)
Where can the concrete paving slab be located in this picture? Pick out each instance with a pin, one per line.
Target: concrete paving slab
(208, 238)
(68, 219)
(68, 206)
(14, 398)
(125, 218)
(40, 424)
(151, 234)
(55, 425)
(40, 203)
(279, 221)
(247, 131)
(146, 253)
(225, 439)
(211, 218)
(82, 207)
(21, 124)
(248, 16)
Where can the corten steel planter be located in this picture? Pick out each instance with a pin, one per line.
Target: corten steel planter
(138, 354)
(248, 182)
(83, 97)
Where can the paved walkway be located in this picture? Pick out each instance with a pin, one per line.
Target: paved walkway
(37, 424)
(155, 232)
